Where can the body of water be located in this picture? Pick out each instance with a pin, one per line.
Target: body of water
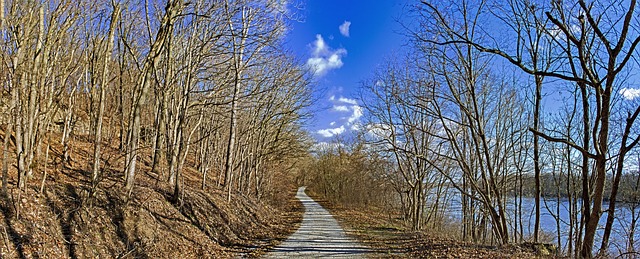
(619, 236)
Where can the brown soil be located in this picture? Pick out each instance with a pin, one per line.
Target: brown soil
(388, 237)
(66, 221)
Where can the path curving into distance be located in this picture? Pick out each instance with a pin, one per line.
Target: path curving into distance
(319, 235)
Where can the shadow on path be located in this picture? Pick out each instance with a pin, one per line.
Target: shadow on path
(319, 235)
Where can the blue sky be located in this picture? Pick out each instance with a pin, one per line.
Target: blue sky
(343, 42)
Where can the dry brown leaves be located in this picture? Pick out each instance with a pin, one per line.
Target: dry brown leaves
(65, 222)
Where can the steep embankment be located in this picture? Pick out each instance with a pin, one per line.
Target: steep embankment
(66, 221)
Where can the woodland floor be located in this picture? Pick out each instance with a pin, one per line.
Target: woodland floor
(389, 238)
(66, 221)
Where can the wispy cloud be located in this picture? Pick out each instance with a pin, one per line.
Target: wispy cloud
(630, 93)
(348, 101)
(349, 119)
(340, 108)
(324, 58)
(355, 116)
(344, 28)
(327, 133)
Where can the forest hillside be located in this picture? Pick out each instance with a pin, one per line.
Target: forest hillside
(156, 129)
(60, 217)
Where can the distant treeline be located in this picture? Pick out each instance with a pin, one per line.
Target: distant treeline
(554, 186)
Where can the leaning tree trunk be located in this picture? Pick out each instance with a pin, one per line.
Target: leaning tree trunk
(172, 8)
(623, 150)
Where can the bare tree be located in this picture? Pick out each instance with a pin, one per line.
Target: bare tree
(104, 81)
(165, 30)
(251, 33)
(593, 44)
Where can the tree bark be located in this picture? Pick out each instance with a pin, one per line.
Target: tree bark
(104, 81)
(623, 150)
(172, 9)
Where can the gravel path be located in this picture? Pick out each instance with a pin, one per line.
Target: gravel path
(319, 235)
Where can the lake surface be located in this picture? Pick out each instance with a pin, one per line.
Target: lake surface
(620, 231)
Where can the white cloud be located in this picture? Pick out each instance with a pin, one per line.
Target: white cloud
(320, 47)
(350, 113)
(327, 133)
(324, 58)
(344, 28)
(630, 93)
(321, 65)
(340, 108)
(357, 113)
(348, 101)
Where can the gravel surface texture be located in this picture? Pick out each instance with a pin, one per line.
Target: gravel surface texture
(319, 235)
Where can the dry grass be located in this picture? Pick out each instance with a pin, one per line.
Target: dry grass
(389, 237)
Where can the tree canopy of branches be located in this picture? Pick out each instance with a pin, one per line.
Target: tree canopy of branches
(590, 46)
(469, 104)
(201, 82)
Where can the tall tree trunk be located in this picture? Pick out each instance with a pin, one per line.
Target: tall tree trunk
(536, 156)
(158, 134)
(586, 187)
(601, 173)
(623, 150)
(67, 127)
(229, 161)
(172, 9)
(18, 124)
(7, 129)
(177, 189)
(5, 146)
(104, 81)
(122, 136)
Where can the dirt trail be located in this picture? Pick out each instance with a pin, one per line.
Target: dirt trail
(319, 235)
